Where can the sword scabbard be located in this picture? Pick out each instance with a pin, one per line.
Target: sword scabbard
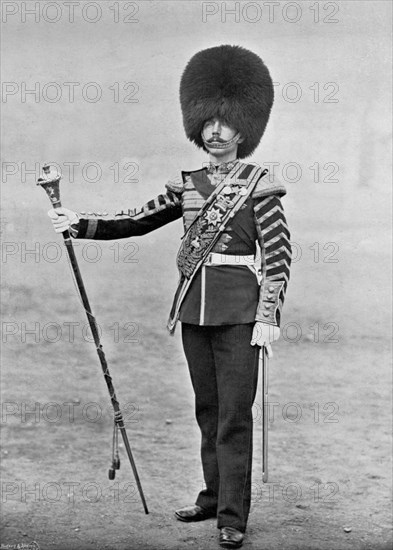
(265, 414)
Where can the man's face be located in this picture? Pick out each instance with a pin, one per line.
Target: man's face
(216, 133)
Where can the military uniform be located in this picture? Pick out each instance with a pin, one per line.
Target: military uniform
(218, 314)
(228, 209)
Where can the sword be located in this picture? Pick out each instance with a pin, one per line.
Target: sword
(51, 184)
(265, 353)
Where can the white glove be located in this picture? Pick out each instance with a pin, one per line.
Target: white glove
(264, 335)
(62, 218)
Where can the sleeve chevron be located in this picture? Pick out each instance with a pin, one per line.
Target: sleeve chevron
(273, 238)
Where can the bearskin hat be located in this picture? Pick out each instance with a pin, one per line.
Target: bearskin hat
(232, 84)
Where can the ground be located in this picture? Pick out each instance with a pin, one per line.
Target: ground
(329, 389)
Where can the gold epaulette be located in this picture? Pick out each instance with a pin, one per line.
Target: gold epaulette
(265, 187)
(175, 185)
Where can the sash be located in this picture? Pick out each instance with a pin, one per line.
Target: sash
(207, 227)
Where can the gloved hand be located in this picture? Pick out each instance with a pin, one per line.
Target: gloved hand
(264, 335)
(62, 218)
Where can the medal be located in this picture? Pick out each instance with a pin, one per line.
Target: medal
(243, 191)
(227, 190)
(213, 217)
(223, 203)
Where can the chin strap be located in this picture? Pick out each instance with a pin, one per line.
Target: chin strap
(224, 145)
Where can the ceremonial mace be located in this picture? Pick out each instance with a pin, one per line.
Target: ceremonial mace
(51, 184)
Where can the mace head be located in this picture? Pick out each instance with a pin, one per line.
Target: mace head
(50, 181)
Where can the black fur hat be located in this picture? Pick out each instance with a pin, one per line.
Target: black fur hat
(232, 84)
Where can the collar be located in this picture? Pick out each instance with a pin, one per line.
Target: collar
(223, 168)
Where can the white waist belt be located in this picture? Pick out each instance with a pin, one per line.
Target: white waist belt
(215, 259)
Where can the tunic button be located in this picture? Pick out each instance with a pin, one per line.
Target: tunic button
(268, 306)
(266, 314)
(271, 289)
(82, 213)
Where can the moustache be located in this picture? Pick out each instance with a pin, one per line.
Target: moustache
(215, 140)
(219, 143)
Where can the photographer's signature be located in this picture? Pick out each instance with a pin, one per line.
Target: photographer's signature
(21, 546)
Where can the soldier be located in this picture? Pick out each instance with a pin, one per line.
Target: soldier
(227, 309)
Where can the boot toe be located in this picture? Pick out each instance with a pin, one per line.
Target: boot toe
(193, 513)
(230, 537)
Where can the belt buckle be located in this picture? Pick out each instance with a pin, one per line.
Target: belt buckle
(208, 260)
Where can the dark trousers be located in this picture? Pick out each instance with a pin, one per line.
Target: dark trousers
(224, 373)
